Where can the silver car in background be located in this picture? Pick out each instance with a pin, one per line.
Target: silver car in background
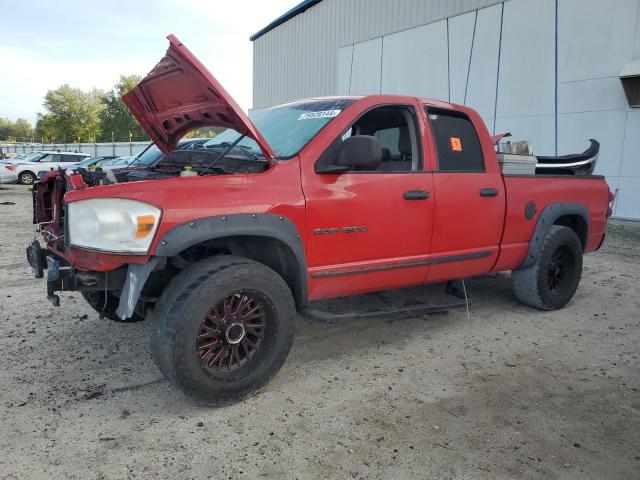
(8, 173)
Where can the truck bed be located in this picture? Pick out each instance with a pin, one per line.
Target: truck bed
(528, 195)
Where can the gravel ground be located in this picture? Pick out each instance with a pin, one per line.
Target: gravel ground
(510, 392)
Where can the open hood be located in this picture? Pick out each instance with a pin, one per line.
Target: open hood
(180, 95)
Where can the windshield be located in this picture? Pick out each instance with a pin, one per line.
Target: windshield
(37, 157)
(115, 162)
(286, 128)
(88, 161)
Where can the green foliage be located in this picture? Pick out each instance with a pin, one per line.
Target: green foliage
(207, 132)
(18, 131)
(117, 122)
(71, 115)
(45, 129)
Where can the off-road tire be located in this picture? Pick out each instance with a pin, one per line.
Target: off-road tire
(184, 305)
(95, 299)
(538, 285)
(26, 178)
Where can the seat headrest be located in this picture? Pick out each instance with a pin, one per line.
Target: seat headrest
(404, 141)
(386, 154)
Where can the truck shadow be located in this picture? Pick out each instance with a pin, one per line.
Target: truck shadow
(100, 350)
(316, 340)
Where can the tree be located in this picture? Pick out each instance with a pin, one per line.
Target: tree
(18, 131)
(72, 115)
(117, 122)
(45, 129)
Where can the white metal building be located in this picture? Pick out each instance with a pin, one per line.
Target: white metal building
(549, 71)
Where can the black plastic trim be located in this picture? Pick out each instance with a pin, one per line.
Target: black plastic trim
(589, 153)
(268, 225)
(400, 265)
(373, 269)
(545, 221)
(567, 177)
(461, 258)
(530, 210)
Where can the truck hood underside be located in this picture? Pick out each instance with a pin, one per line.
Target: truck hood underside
(180, 95)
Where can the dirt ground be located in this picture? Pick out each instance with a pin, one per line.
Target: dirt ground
(510, 392)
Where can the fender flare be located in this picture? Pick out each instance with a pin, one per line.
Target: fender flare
(278, 227)
(547, 218)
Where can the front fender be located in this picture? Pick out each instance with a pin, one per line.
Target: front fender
(277, 227)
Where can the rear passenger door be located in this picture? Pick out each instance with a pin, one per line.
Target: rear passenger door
(469, 198)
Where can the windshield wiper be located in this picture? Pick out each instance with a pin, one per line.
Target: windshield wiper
(224, 154)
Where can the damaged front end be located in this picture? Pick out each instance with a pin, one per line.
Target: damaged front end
(71, 267)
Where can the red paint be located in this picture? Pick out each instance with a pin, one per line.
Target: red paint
(180, 95)
(455, 233)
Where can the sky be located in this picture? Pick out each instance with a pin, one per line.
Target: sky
(90, 43)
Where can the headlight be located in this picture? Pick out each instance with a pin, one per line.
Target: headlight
(112, 225)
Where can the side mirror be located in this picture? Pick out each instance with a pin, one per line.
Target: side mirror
(357, 151)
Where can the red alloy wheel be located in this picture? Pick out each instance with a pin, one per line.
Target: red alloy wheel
(232, 332)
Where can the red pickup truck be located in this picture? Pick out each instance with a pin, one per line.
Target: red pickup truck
(315, 199)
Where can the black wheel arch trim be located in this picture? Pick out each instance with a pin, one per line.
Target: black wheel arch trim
(273, 226)
(545, 221)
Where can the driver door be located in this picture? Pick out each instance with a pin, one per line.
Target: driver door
(369, 228)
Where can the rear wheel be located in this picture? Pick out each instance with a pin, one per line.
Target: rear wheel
(26, 178)
(551, 282)
(223, 328)
(106, 303)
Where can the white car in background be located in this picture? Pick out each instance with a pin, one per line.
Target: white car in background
(28, 171)
(8, 173)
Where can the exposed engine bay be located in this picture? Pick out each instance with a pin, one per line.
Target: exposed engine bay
(211, 161)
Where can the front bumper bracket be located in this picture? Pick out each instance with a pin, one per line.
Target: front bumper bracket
(137, 275)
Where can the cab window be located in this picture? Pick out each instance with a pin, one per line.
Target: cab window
(394, 127)
(457, 141)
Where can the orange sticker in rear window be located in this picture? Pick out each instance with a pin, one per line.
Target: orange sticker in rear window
(456, 144)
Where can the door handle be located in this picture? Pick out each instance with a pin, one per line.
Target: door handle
(489, 192)
(416, 195)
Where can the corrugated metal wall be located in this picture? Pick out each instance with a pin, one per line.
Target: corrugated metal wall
(298, 58)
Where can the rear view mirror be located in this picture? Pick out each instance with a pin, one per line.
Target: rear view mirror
(357, 151)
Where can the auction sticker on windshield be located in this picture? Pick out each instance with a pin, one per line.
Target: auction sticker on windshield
(320, 114)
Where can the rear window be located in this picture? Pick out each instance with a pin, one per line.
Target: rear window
(457, 142)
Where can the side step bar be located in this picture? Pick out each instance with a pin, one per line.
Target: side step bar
(452, 289)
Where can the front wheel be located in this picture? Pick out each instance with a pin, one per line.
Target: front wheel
(223, 328)
(551, 282)
(26, 178)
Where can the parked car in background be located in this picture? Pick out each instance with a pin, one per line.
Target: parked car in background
(23, 157)
(7, 173)
(152, 153)
(15, 158)
(117, 162)
(44, 161)
(95, 161)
